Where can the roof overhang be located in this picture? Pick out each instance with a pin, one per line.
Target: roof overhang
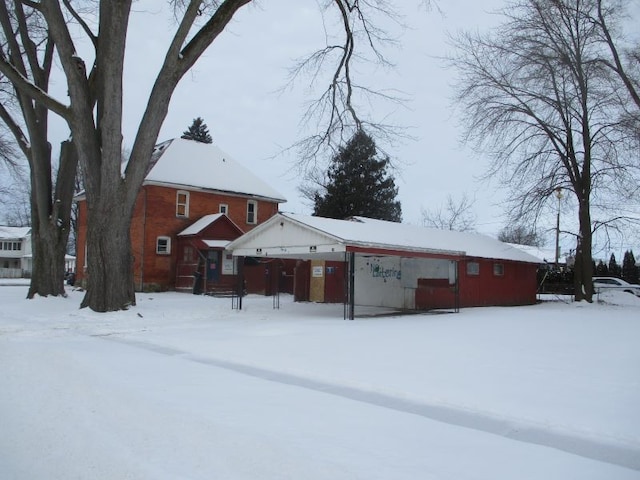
(216, 243)
(229, 193)
(285, 237)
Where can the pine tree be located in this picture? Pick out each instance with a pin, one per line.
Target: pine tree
(614, 268)
(629, 269)
(198, 131)
(601, 269)
(359, 184)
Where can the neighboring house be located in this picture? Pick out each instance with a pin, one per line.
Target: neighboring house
(15, 252)
(187, 182)
(385, 264)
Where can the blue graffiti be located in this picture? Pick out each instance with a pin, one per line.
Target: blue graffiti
(378, 272)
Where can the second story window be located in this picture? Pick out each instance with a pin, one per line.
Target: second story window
(224, 208)
(252, 212)
(182, 204)
(10, 245)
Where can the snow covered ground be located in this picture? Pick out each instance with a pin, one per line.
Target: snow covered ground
(184, 387)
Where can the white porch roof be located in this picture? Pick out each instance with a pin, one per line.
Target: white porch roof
(301, 236)
(199, 225)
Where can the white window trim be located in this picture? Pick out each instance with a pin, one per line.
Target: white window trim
(473, 272)
(224, 208)
(168, 249)
(255, 212)
(186, 203)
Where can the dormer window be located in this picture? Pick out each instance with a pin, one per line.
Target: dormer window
(182, 204)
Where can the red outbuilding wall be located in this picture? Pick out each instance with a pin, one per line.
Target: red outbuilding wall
(515, 286)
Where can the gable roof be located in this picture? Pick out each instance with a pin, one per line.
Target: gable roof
(290, 234)
(14, 233)
(199, 225)
(187, 163)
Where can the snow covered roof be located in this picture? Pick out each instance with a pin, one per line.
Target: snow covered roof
(194, 164)
(292, 233)
(542, 254)
(216, 243)
(199, 225)
(14, 233)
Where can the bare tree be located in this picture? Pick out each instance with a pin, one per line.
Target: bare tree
(26, 47)
(536, 95)
(521, 235)
(95, 111)
(626, 64)
(16, 201)
(453, 215)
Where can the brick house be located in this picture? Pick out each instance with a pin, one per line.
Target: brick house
(187, 181)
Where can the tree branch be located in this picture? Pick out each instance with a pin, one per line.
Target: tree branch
(28, 88)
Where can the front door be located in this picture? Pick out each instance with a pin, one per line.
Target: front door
(213, 266)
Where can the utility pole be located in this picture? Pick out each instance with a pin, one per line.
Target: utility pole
(559, 197)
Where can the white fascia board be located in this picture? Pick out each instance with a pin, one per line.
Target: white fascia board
(193, 188)
(402, 248)
(289, 251)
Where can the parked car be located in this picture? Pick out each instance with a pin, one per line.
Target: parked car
(611, 283)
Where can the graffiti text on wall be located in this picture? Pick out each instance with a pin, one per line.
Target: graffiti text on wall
(378, 271)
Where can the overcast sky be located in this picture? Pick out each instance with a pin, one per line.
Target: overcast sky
(235, 87)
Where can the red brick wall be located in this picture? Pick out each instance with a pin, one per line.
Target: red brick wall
(155, 215)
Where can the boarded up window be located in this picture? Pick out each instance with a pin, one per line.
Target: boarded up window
(182, 204)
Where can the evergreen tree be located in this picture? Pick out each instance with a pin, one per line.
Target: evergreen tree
(614, 268)
(359, 184)
(629, 269)
(601, 269)
(198, 131)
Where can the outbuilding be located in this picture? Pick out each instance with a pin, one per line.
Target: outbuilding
(368, 262)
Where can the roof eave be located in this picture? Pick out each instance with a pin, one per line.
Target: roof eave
(214, 190)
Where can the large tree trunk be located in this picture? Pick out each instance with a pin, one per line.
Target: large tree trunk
(583, 272)
(49, 245)
(50, 221)
(110, 284)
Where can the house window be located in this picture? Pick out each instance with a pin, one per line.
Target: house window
(498, 269)
(224, 208)
(252, 211)
(182, 203)
(473, 268)
(187, 254)
(163, 245)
